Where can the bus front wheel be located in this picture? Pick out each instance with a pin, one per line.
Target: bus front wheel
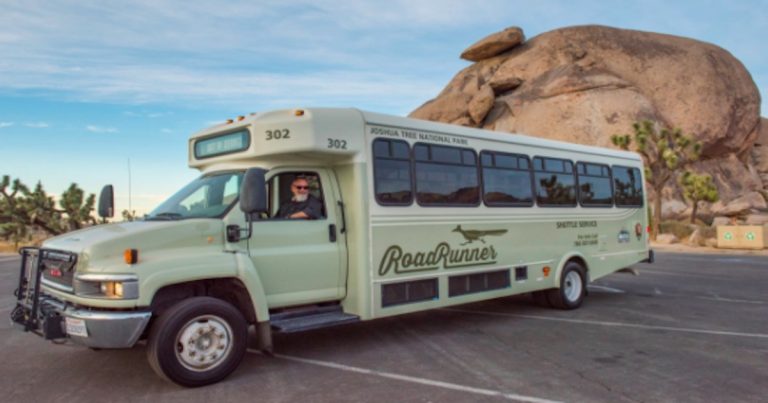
(197, 342)
(572, 289)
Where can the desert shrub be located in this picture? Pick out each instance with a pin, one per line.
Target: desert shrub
(681, 230)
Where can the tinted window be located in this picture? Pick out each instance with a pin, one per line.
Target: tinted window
(506, 180)
(555, 182)
(628, 186)
(392, 172)
(446, 176)
(594, 185)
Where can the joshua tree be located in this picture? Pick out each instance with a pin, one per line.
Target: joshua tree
(665, 151)
(698, 188)
(21, 208)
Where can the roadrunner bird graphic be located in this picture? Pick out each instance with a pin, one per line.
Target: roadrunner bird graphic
(475, 235)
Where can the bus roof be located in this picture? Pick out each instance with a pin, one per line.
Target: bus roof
(308, 124)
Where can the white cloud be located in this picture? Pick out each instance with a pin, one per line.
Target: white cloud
(100, 129)
(6, 124)
(37, 125)
(166, 131)
(274, 53)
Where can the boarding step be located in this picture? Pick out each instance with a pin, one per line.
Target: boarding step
(299, 321)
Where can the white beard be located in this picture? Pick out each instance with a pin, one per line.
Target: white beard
(301, 197)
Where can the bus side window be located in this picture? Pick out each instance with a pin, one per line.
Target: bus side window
(628, 186)
(555, 182)
(392, 172)
(594, 185)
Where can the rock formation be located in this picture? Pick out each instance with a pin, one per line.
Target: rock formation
(584, 84)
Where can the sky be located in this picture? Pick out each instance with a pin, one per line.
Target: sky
(108, 92)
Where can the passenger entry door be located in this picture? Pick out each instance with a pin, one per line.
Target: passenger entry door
(300, 261)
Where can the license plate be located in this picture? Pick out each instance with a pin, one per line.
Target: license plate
(76, 327)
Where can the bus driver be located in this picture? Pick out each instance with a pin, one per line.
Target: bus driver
(302, 205)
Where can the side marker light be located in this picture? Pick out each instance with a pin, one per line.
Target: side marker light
(131, 256)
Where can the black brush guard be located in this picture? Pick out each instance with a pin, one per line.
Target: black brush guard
(34, 311)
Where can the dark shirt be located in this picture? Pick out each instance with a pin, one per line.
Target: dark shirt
(312, 207)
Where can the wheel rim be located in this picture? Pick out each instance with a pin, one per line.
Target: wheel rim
(573, 286)
(204, 343)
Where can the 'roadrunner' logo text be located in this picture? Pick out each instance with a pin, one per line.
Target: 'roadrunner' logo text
(443, 255)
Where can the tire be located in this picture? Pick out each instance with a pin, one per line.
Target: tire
(572, 289)
(197, 342)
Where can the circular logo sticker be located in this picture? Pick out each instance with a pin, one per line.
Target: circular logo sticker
(728, 236)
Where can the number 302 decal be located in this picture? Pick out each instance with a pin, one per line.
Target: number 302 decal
(337, 144)
(278, 134)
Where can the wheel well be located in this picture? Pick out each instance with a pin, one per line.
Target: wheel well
(580, 261)
(230, 290)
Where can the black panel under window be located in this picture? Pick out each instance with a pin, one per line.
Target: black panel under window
(594, 185)
(472, 283)
(628, 187)
(555, 182)
(506, 179)
(392, 172)
(521, 273)
(446, 176)
(408, 292)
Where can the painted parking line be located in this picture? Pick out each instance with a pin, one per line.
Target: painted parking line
(656, 291)
(613, 324)
(680, 274)
(412, 379)
(605, 288)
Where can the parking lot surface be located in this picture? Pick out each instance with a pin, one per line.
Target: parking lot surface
(690, 328)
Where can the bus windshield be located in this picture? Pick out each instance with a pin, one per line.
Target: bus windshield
(208, 196)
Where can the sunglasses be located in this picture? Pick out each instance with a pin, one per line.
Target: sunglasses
(301, 187)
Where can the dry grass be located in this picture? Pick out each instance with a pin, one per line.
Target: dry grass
(7, 247)
(10, 247)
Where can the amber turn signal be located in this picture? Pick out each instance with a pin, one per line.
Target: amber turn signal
(131, 256)
(546, 270)
(299, 112)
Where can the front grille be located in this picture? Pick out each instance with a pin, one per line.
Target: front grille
(58, 269)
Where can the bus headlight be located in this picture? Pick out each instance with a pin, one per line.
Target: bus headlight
(112, 289)
(109, 286)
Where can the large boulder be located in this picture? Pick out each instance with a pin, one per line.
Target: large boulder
(494, 44)
(760, 152)
(584, 84)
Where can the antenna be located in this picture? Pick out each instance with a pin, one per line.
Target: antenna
(130, 210)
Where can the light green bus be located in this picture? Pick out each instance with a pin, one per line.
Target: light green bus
(407, 215)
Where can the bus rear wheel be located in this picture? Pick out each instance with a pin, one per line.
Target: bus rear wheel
(197, 342)
(572, 289)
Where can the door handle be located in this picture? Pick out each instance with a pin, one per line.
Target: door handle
(332, 232)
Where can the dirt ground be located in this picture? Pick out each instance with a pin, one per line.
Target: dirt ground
(683, 248)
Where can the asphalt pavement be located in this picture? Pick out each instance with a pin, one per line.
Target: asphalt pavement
(690, 328)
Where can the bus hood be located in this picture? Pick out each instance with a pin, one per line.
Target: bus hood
(103, 245)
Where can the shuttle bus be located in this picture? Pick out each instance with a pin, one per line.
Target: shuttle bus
(408, 215)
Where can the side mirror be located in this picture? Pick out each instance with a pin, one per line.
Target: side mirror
(107, 202)
(253, 192)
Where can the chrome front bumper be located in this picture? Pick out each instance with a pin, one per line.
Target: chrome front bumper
(104, 329)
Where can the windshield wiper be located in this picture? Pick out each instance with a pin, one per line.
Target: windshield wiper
(165, 216)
